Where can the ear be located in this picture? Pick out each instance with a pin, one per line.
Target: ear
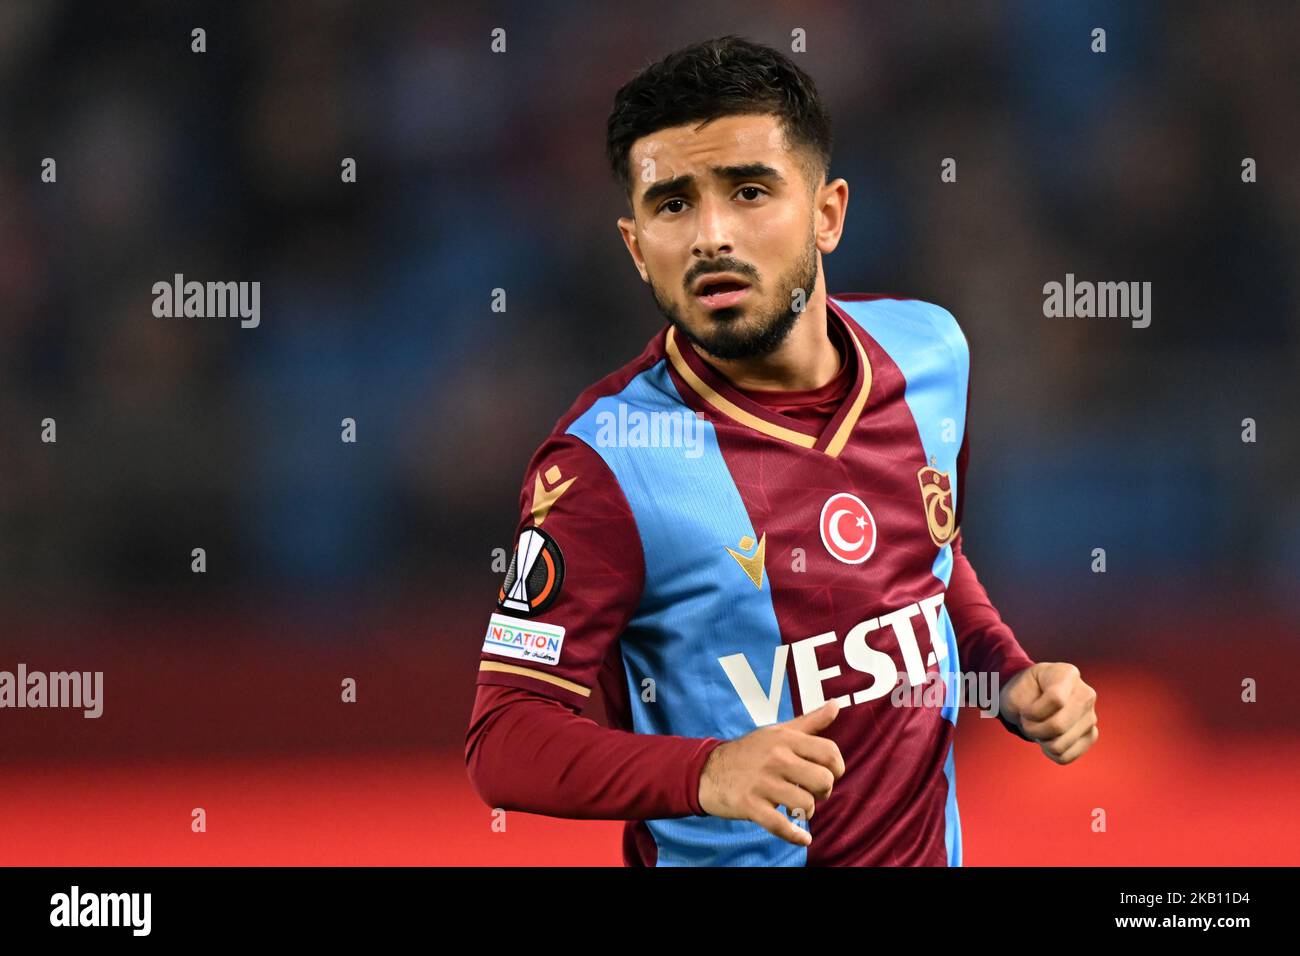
(829, 209)
(627, 227)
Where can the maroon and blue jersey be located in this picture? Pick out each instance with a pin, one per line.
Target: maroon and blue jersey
(716, 566)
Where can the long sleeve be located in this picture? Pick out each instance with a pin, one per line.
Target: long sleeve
(574, 581)
(528, 752)
(984, 642)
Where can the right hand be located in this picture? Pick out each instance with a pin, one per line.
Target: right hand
(782, 765)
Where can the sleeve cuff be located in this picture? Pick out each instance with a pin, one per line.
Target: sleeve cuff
(1014, 729)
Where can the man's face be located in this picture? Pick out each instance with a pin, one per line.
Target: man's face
(728, 197)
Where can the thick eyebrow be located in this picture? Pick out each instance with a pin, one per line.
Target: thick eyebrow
(731, 173)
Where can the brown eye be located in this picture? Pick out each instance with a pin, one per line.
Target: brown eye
(669, 203)
(745, 189)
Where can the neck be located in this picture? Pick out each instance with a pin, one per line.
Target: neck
(806, 359)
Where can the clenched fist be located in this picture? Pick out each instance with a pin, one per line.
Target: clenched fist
(782, 765)
(1052, 705)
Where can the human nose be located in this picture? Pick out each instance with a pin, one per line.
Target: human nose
(713, 230)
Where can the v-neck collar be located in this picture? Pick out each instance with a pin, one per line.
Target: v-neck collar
(716, 391)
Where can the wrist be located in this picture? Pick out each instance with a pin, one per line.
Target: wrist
(697, 780)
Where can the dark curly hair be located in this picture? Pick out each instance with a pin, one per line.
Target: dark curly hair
(722, 77)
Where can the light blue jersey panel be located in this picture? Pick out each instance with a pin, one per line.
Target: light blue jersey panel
(696, 607)
(928, 347)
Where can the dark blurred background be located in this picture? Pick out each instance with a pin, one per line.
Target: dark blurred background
(479, 171)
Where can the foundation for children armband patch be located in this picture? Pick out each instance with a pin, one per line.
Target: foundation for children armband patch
(534, 641)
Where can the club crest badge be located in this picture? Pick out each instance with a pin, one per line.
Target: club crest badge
(936, 499)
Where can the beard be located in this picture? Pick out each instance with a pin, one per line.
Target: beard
(727, 333)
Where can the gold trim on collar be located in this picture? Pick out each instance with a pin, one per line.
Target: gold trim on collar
(841, 438)
(732, 410)
(529, 672)
(727, 407)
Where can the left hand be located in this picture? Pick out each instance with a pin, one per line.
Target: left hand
(1051, 703)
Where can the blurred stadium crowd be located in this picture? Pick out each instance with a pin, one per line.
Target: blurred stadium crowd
(481, 170)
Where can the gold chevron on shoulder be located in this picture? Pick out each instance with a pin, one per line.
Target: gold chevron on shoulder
(752, 564)
(544, 498)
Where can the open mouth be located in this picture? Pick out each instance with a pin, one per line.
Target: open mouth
(722, 293)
